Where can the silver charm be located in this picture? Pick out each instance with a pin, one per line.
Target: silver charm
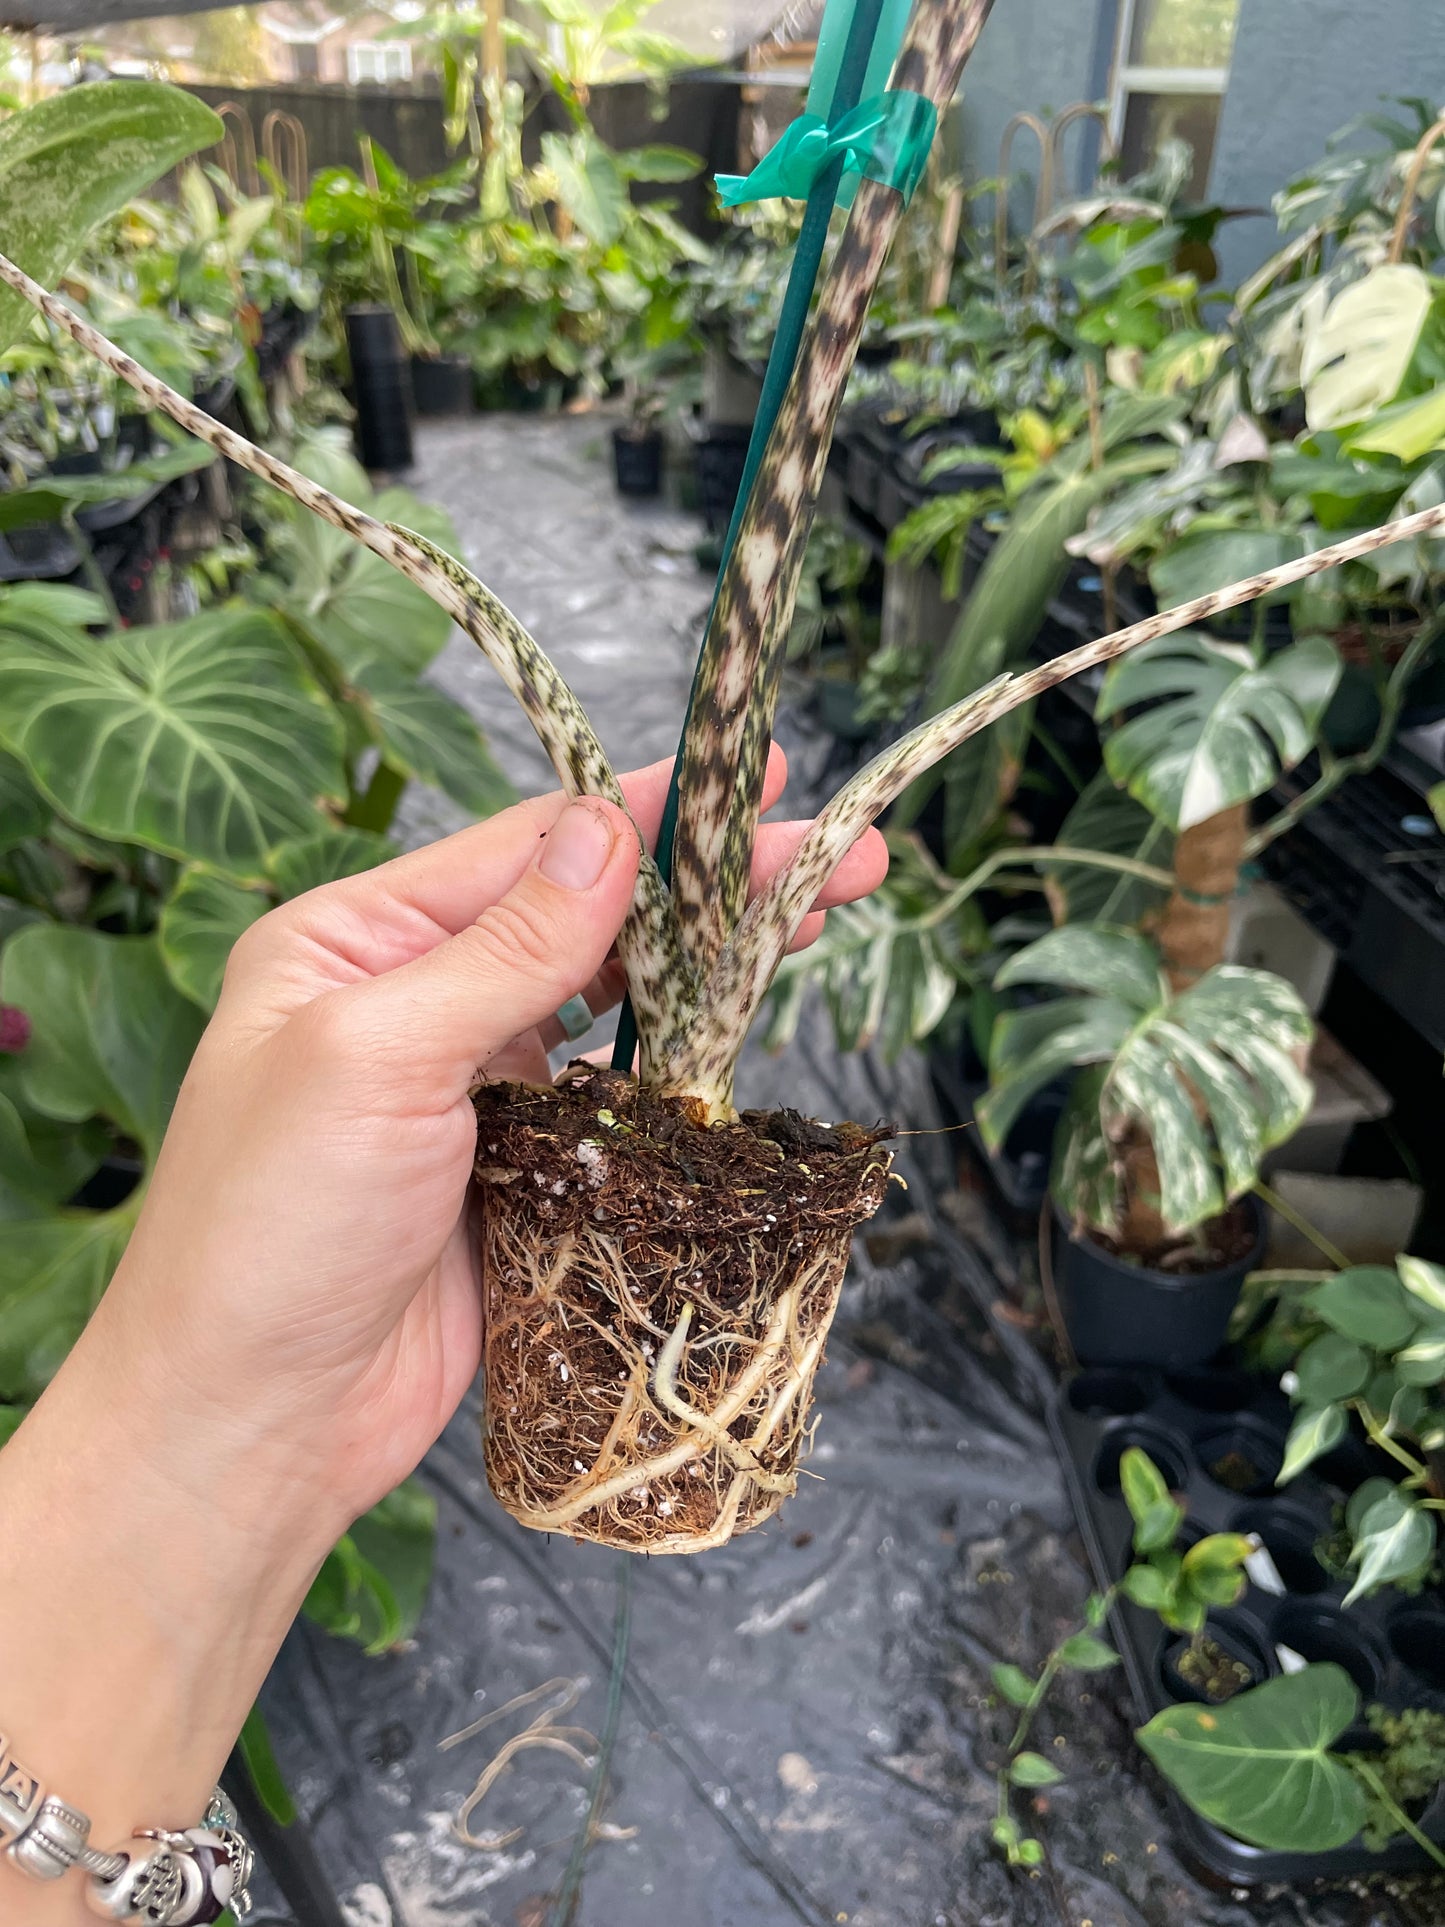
(21, 1795)
(147, 1888)
(54, 1841)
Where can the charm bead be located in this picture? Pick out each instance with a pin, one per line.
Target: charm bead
(21, 1796)
(146, 1889)
(54, 1841)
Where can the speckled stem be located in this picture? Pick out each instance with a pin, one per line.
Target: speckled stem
(726, 749)
(660, 978)
(703, 1066)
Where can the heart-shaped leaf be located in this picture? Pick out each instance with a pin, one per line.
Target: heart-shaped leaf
(78, 156)
(1366, 1303)
(203, 739)
(306, 862)
(1214, 729)
(1315, 1430)
(429, 737)
(1331, 1367)
(110, 1035)
(1260, 1765)
(54, 1272)
(1395, 1540)
(199, 922)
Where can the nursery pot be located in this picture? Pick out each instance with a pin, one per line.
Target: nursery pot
(442, 384)
(381, 385)
(1119, 1313)
(657, 1297)
(637, 460)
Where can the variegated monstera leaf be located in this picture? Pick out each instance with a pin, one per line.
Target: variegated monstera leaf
(1209, 1076)
(1213, 727)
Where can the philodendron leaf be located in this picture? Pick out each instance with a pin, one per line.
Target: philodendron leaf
(306, 862)
(54, 1270)
(205, 739)
(1315, 1430)
(1395, 1540)
(42, 1163)
(78, 156)
(23, 810)
(47, 500)
(1356, 355)
(1215, 729)
(1368, 1304)
(430, 737)
(1424, 1281)
(1260, 1765)
(1331, 1367)
(199, 922)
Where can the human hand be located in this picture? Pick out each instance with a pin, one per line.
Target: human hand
(304, 1244)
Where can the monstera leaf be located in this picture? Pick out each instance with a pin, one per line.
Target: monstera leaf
(1356, 355)
(1260, 1766)
(1210, 1076)
(71, 160)
(202, 739)
(1214, 728)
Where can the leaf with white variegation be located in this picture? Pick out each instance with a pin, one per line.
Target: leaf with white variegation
(1314, 1430)
(1424, 1281)
(207, 739)
(1212, 729)
(1394, 1544)
(1356, 354)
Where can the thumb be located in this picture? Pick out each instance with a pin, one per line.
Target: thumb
(446, 1013)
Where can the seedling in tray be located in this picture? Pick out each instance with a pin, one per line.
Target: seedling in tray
(660, 1273)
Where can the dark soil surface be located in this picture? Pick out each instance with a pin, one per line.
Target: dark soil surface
(1222, 1241)
(1212, 1671)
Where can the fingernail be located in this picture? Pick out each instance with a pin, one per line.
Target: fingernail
(577, 849)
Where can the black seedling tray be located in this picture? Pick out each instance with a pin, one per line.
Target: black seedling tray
(1200, 1428)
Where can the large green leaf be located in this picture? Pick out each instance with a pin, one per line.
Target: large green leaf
(1213, 729)
(1209, 1075)
(78, 156)
(1260, 1766)
(41, 1163)
(51, 1277)
(1368, 1304)
(430, 737)
(307, 862)
(57, 495)
(199, 922)
(1356, 356)
(1210, 559)
(110, 1035)
(24, 812)
(202, 739)
(590, 184)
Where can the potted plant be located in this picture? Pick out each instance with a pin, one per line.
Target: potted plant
(684, 1398)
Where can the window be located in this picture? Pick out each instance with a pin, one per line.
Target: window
(378, 60)
(305, 60)
(1170, 71)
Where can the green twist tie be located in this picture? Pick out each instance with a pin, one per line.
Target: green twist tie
(885, 139)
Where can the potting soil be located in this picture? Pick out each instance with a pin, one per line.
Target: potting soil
(806, 1732)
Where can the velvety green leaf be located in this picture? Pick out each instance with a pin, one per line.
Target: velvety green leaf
(1356, 356)
(42, 1163)
(1424, 1281)
(1013, 1683)
(203, 739)
(1032, 1769)
(72, 159)
(1086, 1654)
(56, 495)
(24, 813)
(54, 1270)
(1395, 1540)
(1213, 730)
(199, 922)
(111, 1036)
(1366, 1303)
(1314, 1430)
(1260, 1766)
(1330, 1368)
(433, 739)
(306, 862)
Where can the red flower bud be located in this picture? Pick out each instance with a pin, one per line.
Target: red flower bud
(14, 1029)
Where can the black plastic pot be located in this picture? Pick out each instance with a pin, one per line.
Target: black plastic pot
(381, 389)
(721, 456)
(442, 384)
(1124, 1314)
(637, 461)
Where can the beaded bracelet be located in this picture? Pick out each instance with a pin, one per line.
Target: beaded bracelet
(167, 1880)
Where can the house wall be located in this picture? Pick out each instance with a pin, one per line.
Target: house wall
(1301, 69)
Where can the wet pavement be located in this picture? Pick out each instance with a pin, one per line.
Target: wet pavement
(806, 1733)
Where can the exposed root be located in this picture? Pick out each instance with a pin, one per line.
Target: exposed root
(658, 1296)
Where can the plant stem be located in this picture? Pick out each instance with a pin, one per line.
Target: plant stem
(1396, 1812)
(1380, 1437)
(1301, 1224)
(1033, 853)
(1336, 770)
(376, 806)
(89, 567)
